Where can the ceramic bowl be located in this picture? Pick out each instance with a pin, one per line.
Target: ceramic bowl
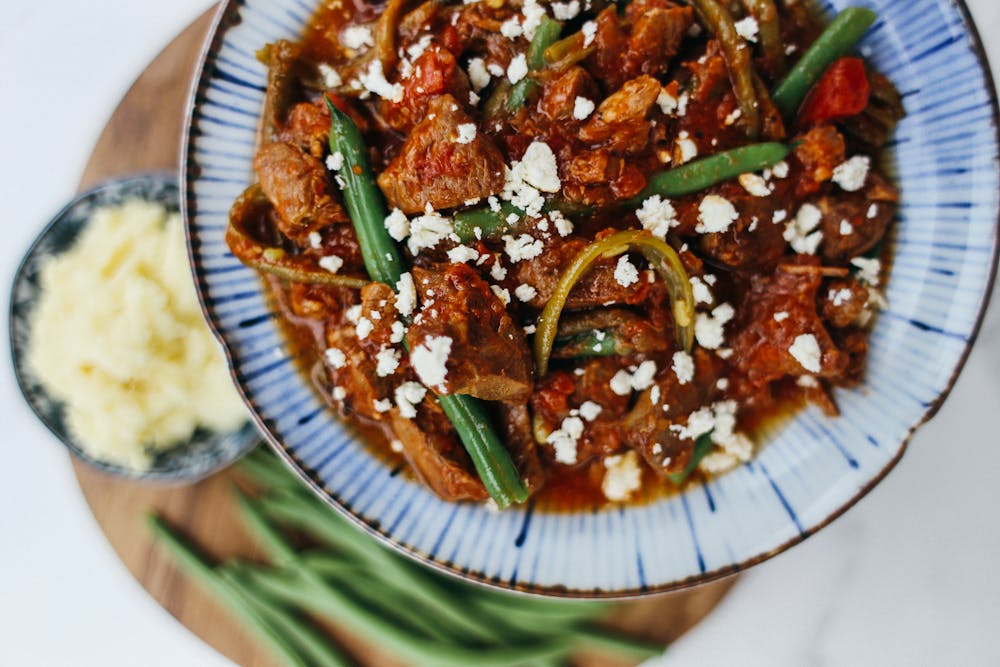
(808, 472)
(207, 451)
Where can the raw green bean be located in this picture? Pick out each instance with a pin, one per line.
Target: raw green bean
(266, 471)
(277, 548)
(364, 200)
(546, 34)
(720, 22)
(836, 41)
(704, 173)
(198, 568)
(366, 207)
(316, 646)
(702, 446)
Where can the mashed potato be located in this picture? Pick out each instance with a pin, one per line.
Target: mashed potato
(118, 336)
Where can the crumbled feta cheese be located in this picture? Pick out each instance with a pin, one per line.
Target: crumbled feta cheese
(335, 357)
(564, 11)
(657, 215)
(427, 230)
(622, 476)
(780, 316)
(357, 36)
(517, 69)
(667, 102)
(533, 15)
(687, 149)
(478, 76)
(654, 395)
(335, 161)
(589, 30)
(846, 228)
(807, 382)
(779, 216)
(872, 211)
(710, 329)
(522, 247)
(408, 395)
(397, 224)
(415, 50)
(851, 175)
(780, 170)
(525, 292)
(539, 167)
(429, 360)
(805, 349)
(502, 293)
(406, 294)
(529, 329)
(373, 79)
(590, 410)
(331, 79)
(398, 331)
(699, 422)
(621, 383)
(733, 116)
(839, 297)
(462, 254)
(582, 108)
(722, 384)
(565, 438)
(715, 214)
(869, 270)
(382, 405)
(386, 361)
(330, 263)
(747, 29)
(683, 367)
(495, 69)
(642, 378)
(363, 328)
(700, 291)
(682, 104)
(563, 225)
(511, 28)
(353, 314)
(315, 240)
(466, 133)
(625, 272)
(497, 271)
(339, 393)
(799, 231)
(755, 185)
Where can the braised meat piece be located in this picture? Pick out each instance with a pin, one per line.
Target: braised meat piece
(619, 123)
(436, 454)
(296, 183)
(819, 152)
(853, 222)
(487, 355)
(559, 94)
(842, 301)
(435, 72)
(441, 165)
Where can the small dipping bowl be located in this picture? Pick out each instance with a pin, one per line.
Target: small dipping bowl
(206, 451)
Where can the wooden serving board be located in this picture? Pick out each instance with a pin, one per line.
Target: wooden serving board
(144, 134)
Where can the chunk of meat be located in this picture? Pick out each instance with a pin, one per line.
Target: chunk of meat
(434, 168)
(842, 301)
(866, 213)
(308, 127)
(819, 152)
(598, 177)
(559, 94)
(658, 29)
(284, 69)
(489, 357)
(435, 72)
(620, 121)
(296, 184)
(515, 425)
(762, 344)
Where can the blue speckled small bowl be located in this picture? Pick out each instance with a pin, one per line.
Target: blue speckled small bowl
(808, 473)
(207, 451)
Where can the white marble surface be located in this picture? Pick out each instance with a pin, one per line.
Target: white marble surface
(909, 576)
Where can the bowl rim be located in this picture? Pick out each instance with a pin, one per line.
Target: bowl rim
(226, 13)
(166, 178)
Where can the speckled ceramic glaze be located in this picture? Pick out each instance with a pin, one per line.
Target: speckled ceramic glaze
(207, 451)
(809, 471)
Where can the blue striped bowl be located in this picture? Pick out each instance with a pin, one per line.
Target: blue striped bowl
(811, 470)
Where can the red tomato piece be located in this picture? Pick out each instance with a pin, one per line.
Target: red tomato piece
(842, 91)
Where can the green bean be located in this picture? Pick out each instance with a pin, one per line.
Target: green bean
(836, 41)
(597, 343)
(545, 35)
(316, 646)
(720, 22)
(702, 446)
(489, 223)
(769, 29)
(704, 173)
(266, 535)
(268, 473)
(198, 568)
(366, 207)
(364, 201)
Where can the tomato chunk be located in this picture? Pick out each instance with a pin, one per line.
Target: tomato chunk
(842, 91)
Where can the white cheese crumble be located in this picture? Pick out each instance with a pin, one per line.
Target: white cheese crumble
(839, 297)
(363, 328)
(747, 29)
(701, 291)
(525, 292)
(710, 329)
(339, 393)
(511, 28)
(589, 30)
(590, 410)
(427, 230)
(479, 77)
(780, 316)
(755, 185)
(357, 36)
(386, 361)
(408, 395)
(517, 69)
(533, 15)
(868, 270)
(462, 254)
(563, 225)
(522, 247)
(373, 79)
(330, 263)
(683, 367)
(466, 133)
(582, 108)
(565, 438)
(397, 224)
(495, 69)
(315, 240)
(353, 314)
(641, 378)
(335, 357)
(429, 360)
(501, 293)
(872, 211)
(715, 214)
(733, 116)
(851, 175)
(622, 476)
(846, 228)
(625, 272)
(406, 294)
(667, 102)
(398, 331)
(382, 405)
(564, 11)
(799, 231)
(331, 79)
(539, 168)
(687, 149)
(497, 271)
(805, 349)
(657, 215)
(335, 161)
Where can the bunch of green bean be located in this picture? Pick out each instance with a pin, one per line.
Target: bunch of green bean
(349, 579)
